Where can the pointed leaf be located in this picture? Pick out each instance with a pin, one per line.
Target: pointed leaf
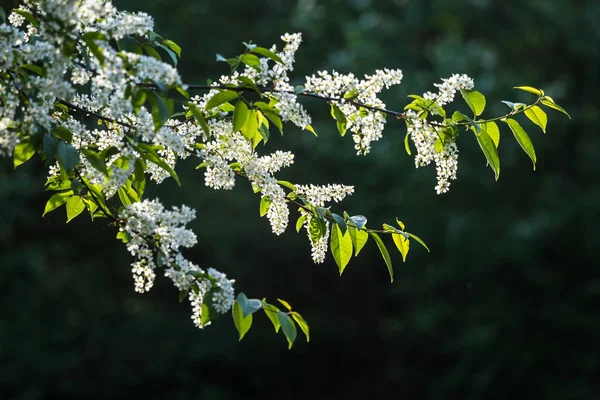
(285, 304)
(340, 118)
(406, 145)
(242, 324)
(288, 327)
(341, 247)
(548, 102)
(75, 206)
(302, 324)
(522, 138)
(402, 243)
(421, 242)
(492, 130)
(537, 116)
(220, 98)
(240, 114)
(267, 53)
(23, 152)
(359, 221)
(384, 254)
(300, 223)
(340, 221)
(67, 155)
(489, 151)
(475, 100)
(265, 203)
(359, 239)
(530, 90)
(57, 200)
(271, 312)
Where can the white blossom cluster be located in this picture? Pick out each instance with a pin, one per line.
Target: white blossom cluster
(366, 124)
(317, 196)
(431, 145)
(320, 246)
(232, 147)
(151, 229)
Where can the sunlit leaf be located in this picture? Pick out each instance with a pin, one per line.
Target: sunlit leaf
(384, 254)
(522, 138)
(341, 247)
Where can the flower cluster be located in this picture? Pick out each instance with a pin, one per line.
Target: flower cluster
(432, 145)
(317, 196)
(154, 236)
(365, 123)
(232, 147)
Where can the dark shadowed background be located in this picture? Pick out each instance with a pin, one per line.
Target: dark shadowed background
(505, 306)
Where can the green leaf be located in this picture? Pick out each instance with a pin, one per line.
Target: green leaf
(89, 39)
(340, 118)
(124, 237)
(271, 312)
(522, 138)
(288, 327)
(492, 130)
(489, 151)
(75, 206)
(537, 116)
(150, 154)
(300, 223)
(530, 90)
(23, 152)
(421, 242)
(341, 247)
(288, 185)
(139, 177)
(475, 100)
(248, 306)
(67, 156)
(548, 102)
(400, 223)
(182, 293)
(302, 324)
(459, 117)
(384, 254)
(406, 146)
(173, 46)
(359, 239)
(359, 221)
(267, 53)
(220, 98)
(28, 16)
(240, 114)
(285, 304)
(340, 221)
(57, 200)
(160, 110)
(125, 199)
(316, 228)
(311, 129)
(265, 203)
(151, 52)
(250, 128)
(402, 243)
(242, 323)
(95, 160)
(250, 60)
(200, 118)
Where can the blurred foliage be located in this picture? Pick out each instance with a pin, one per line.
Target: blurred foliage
(505, 305)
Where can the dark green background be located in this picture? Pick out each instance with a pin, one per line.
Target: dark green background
(505, 306)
